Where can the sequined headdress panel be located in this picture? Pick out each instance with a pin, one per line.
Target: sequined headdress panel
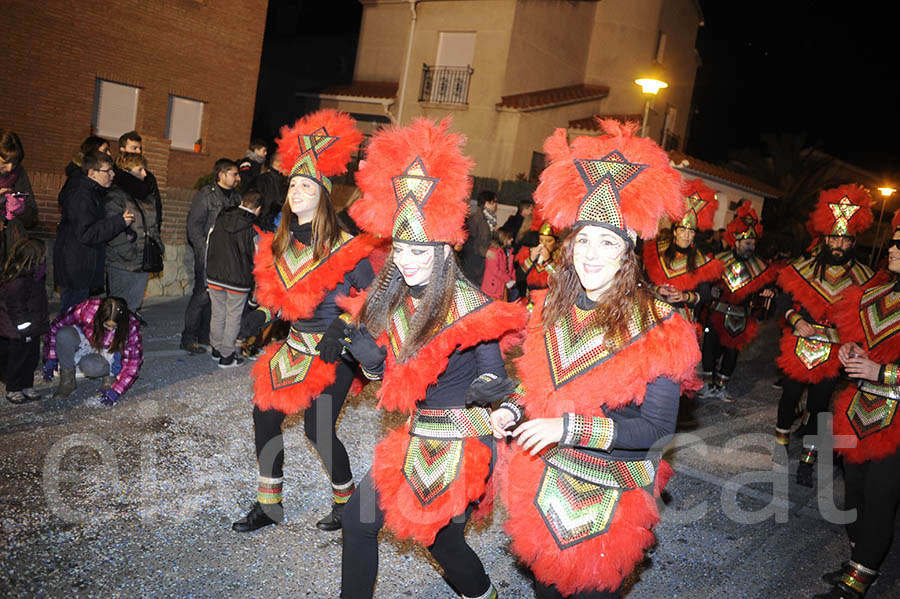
(843, 210)
(318, 146)
(415, 184)
(701, 204)
(617, 180)
(744, 225)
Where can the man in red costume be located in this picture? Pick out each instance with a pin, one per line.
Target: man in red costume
(811, 286)
(680, 272)
(731, 323)
(537, 263)
(601, 372)
(865, 414)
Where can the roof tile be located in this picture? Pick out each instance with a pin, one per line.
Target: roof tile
(557, 96)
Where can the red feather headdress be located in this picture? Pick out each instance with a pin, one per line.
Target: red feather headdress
(318, 146)
(701, 203)
(744, 225)
(415, 184)
(617, 180)
(843, 210)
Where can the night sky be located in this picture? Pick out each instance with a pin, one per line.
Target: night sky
(794, 66)
(798, 66)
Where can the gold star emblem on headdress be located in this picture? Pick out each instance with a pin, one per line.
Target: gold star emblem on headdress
(843, 210)
(411, 190)
(604, 179)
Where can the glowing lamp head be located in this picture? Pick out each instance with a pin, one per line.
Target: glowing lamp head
(651, 86)
(887, 191)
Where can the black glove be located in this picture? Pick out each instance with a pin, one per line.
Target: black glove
(487, 389)
(360, 343)
(329, 347)
(252, 324)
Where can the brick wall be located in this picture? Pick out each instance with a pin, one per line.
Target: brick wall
(200, 49)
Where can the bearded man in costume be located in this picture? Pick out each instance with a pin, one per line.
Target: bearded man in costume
(601, 372)
(299, 272)
(809, 340)
(680, 272)
(865, 414)
(435, 343)
(732, 324)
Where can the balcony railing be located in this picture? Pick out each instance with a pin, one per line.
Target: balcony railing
(445, 85)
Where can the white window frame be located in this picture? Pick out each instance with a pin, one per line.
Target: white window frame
(184, 122)
(115, 108)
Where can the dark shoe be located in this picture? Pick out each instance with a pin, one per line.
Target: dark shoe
(834, 577)
(193, 348)
(20, 397)
(259, 516)
(840, 591)
(66, 383)
(107, 382)
(805, 473)
(230, 361)
(215, 355)
(333, 520)
(778, 384)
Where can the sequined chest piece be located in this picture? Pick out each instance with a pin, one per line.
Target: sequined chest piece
(879, 314)
(834, 280)
(466, 300)
(738, 274)
(678, 265)
(299, 260)
(576, 344)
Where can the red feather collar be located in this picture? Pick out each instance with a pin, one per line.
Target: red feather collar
(667, 349)
(297, 284)
(708, 269)
(817, 295)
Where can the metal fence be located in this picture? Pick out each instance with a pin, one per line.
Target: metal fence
(445, 85)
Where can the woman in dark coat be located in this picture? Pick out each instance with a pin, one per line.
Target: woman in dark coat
(18, 210)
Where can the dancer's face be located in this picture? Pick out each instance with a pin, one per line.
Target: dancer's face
(303, 194)
(415, 261)
(597, 256)
(894, 255)
(684, 237)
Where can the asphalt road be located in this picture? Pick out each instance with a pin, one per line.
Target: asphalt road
(137, 500)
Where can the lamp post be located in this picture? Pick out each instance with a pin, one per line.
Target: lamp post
(649, 87)
(886, 193)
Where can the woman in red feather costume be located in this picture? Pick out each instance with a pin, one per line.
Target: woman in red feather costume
(809, 340)
(299, 271)
(731, 322)
(435, 343)
(680, 272)
(602, 366)
(866, 423)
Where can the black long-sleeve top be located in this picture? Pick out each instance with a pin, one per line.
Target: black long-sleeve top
(640, 427)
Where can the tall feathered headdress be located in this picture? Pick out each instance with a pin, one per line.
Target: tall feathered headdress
(744, 225)
(617, 180)
(318, 146)
(701, 204)
(415, 184)
(843, 210)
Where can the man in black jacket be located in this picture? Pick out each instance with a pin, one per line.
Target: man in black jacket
(84, 229)
(208, 203)
(229, 275)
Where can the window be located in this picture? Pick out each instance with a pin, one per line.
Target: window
(448, 80)
(115, 108)
(185, 121)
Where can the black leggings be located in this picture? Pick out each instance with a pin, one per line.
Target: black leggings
(873, 488)
(817, 398)
(713, 350)
(542, 591)
(319, 421)
(362, 521)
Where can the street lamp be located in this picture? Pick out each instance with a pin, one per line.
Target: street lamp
(886, 193)
(649, 87)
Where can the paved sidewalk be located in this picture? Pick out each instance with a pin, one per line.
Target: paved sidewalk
(137, 500)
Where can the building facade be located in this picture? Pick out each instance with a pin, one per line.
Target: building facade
(183, 73)
(511, 71)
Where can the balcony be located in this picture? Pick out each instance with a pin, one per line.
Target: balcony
(445, 85)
